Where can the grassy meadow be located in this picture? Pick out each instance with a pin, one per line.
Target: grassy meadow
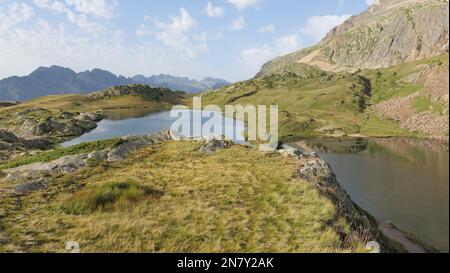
(170, 201)
(82, 103)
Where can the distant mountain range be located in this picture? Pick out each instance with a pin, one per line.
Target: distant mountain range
(59, 80)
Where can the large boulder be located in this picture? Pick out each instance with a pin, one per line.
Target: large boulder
(317, 171)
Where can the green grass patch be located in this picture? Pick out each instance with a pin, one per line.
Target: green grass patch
(49, 156)
(379, 127)
(107, 197)
(422, 104)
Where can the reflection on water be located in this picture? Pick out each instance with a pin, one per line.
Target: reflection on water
(121, 123)
(404, 181)
(121, 114)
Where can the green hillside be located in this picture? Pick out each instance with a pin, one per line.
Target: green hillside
(313, 102)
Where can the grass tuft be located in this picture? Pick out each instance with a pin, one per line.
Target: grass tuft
(107, 197)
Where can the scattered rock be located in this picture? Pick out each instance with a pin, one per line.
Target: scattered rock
(401, 110)
(267, 148)
(31, 110)
(271, 147)
(91, 116)
(8, 137)
(176, 136)
(289, 151)
(214, 144)
(11, 145)
(30, 187)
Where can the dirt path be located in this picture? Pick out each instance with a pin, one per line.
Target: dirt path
(395, 235)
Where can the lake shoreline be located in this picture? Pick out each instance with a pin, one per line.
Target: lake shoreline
(399, 180)
(304, 148)
(321, 176)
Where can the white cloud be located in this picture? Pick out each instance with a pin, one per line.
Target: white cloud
(174, 34)
(99, 8)
(55, 6)
(369, 2)
(79, 19)
(15, 14)
(238, 23)
(82, 21)
(243, 4)
(206, 36)
(24, 48)
(318, 26)
(213, 11)
(270, 28)
(143, 30)
(253, 58)
(286, 44)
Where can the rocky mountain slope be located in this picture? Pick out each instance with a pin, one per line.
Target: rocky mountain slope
(410, 100)
(381, 73)
(59, 80)
(389, 33)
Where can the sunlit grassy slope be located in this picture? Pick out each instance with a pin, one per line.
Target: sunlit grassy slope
(144, 97)
(313, 102)
(170, 200)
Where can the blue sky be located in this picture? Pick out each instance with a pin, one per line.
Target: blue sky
(229, 39)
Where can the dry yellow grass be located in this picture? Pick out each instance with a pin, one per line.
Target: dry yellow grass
(236, 200)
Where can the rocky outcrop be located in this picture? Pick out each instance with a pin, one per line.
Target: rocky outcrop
(40, 122)
(389, 33)
(9, 141)
(145, 91)
(36, 176)
(39, 129)
(10, 144)
(318, 172)
(214, 143)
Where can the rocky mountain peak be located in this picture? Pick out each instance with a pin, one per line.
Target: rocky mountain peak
(389, 33)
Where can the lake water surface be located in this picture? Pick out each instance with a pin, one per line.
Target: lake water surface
(400, 180)
(120, 123)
